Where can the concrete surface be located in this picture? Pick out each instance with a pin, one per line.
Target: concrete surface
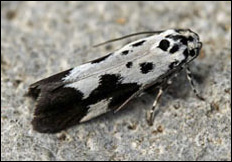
(42, 38)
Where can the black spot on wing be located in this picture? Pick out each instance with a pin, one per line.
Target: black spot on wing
(111, 86)
(64, 107)
(125, 92)
(138, 43)
(164, 44)
(129, 64)
(101, 59)
(146, 67)
(174, 48)
(125, 52)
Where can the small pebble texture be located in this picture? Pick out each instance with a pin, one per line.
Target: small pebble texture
(39, 39)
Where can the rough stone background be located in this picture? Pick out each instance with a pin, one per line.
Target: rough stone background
(42, 38)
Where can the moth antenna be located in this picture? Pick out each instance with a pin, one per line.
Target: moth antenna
(127, 36)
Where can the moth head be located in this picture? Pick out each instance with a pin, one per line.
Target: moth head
(183, 45)
(193, 42)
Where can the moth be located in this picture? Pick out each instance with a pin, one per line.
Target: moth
(110, 82)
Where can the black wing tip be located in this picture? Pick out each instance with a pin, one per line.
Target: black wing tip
(57, 110)
(41, 126)
(48, 122)
(33, 92)
(35, 88)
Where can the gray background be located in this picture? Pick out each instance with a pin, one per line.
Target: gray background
(39, 39)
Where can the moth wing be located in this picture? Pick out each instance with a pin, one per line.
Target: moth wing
(67, 109)
(128, 100)
(55, 120)
(54, 104)
(54, 81)
(60, 105)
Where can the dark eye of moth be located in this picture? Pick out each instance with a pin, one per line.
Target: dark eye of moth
(192, 52)
(190, 38)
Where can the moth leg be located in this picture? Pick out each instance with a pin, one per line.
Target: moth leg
(151, 114)
(189, 77)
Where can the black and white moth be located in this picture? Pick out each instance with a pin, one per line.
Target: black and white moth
(110, 82)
